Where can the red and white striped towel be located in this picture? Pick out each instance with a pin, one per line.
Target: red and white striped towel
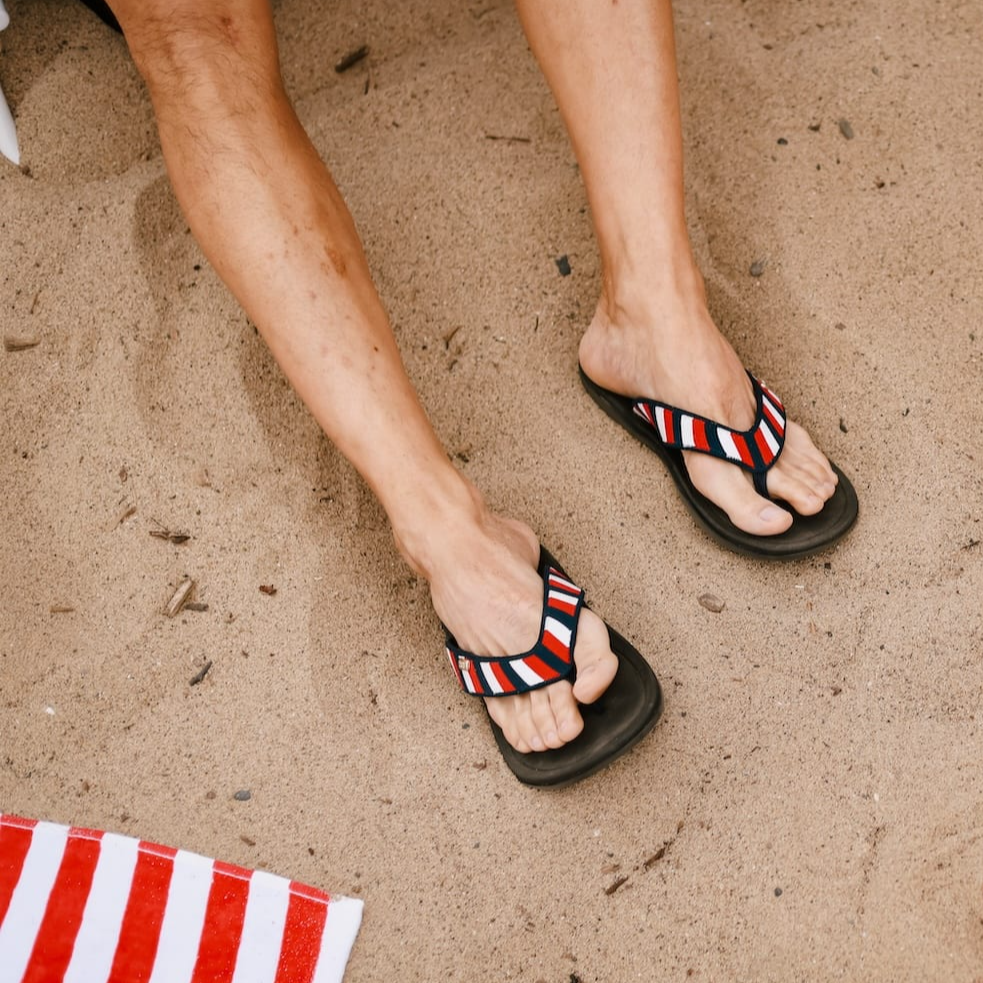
(83, 906)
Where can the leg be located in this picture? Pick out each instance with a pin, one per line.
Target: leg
(271, 221)
(612, 68)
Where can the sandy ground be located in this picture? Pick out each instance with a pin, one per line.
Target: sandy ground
(810, 807)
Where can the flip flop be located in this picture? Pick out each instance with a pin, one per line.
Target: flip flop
(668, 431)
(626, 711)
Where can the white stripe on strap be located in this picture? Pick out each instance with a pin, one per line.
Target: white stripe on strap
(660, 418)
(184, 916)
(527, 675)
(95, 945)
(558, 630)
(769, 437)
(775, 412)
(686, 431)
(30, 898)
(555, 595)
(728, 445)
(493, 684)
(556, 579)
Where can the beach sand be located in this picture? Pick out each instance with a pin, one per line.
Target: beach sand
(811, 806)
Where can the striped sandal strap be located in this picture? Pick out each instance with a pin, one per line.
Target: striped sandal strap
(755, 450)
(549, 660)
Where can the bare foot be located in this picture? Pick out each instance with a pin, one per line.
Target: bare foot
(678, 356)
(489, 594)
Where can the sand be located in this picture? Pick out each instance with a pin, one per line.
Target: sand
(810, 807)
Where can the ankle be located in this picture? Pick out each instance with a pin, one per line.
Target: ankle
(445, 513)
(662, 298)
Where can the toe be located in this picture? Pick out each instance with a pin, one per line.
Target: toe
(569, 723)
(730, 488)
(528, 731)
(544, 714)
(798, 492)
(596, 664)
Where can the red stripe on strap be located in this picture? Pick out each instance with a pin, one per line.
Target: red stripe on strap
(476, 680)
(66, 904)
(499, 673)
(742, 448)
(540, 668)
(700, 435)
(667, 420)
(561, 583)
(777, 424)
(778, 403)
(222, 928)
(15, 841)
(140, 931)
(570, 607)
(306, 916)
(557, 647)
(766, 454)
(457, 671)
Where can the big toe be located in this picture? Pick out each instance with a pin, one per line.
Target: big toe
(596, 664)
(728, 487)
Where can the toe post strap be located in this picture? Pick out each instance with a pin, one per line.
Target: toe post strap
(550, 659)
(755, 450)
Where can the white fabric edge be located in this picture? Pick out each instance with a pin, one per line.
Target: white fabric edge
(340, 928)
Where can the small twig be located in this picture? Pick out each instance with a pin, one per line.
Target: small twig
(61, 609)
(650, 862)
(13, 343)
(201, 673)
(164, 533)
(615, 884)
(172, 537)
(124, 515)
(507, 139)
(351, 59)
(180, 597)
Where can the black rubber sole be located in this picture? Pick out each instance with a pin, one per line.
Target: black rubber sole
(807, 535)
(627, 710)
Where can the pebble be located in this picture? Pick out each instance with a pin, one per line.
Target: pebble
(778, 892)
(757, 267)
(845, 128)
(843, 426)
(712, 603)
(243, 795)
(563, 265)
(782, 142)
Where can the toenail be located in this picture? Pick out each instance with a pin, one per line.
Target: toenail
(552, 737)
(537, 744)
(770, 512)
